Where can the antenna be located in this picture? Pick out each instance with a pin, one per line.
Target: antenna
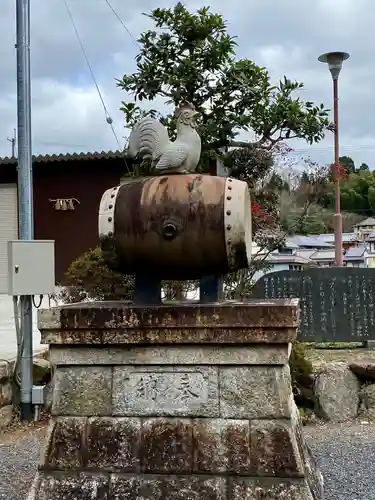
(13, 142)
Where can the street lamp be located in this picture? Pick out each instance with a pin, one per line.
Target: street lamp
(334, 61)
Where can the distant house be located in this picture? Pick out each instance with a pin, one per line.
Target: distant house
(370, 257)
(348, 239)
(324, 257)
(364, 228)
(356, 256)
(286, 258)
(67, 193)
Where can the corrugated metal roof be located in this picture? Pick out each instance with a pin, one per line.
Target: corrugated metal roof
(95, 155)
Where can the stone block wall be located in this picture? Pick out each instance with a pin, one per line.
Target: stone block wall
(174, 404)
(5, 383)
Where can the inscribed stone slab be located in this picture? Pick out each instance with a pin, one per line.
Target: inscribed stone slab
(165, 391)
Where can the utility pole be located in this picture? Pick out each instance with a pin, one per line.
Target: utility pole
(25, 193)
(13, 142)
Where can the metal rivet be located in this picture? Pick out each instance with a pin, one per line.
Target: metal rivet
(228, 212)
(230, 180)
(110, 206)
(229, 242)
(229, 188)
(112, 195)
(109, 219)
(229, 227)
(229, 197)
(110, 233)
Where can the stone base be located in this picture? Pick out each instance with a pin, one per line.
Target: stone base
(85, 486)
(155, 414)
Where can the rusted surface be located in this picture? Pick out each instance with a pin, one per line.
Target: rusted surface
(170, 336)
(120, 323)
(113, 444)
(167, 446)
(232, 314)
(221, 446)
(171, 226)
(274, 450)
(65, 444)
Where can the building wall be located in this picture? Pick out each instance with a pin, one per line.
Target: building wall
(75, 231)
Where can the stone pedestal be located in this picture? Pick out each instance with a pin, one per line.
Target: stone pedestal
(179, 402)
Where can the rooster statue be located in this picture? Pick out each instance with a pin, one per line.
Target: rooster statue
(149, 139)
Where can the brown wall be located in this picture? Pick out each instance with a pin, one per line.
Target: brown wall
(76, 231)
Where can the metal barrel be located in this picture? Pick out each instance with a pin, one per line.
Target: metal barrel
(176, 226)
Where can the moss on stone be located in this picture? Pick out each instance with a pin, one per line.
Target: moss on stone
(302, 376)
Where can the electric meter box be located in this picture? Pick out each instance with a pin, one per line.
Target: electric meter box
(31, 267)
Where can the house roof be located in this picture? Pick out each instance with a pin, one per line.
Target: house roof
(95, 155)
(323, 255)
(287, 259)
(330, 237)
(306, 253)
(370, 221)
(310, 241)
(290, 244)
(355, 253)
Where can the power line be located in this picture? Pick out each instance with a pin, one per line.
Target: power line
(107, 115)
(122, 22)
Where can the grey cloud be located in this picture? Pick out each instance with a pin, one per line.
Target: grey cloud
(285, 36)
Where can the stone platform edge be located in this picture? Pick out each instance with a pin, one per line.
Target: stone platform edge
(253, 321)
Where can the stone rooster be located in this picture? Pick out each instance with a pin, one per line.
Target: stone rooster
(149, 139)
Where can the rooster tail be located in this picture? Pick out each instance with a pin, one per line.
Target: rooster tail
(149, 138)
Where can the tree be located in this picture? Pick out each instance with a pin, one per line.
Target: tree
(357, 193)
(371, 198)
(364, 168)
(348, 164)
(191, 56)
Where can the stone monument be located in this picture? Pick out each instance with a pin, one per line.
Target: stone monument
(174, 401)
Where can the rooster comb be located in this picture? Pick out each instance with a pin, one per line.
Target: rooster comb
(185, 105)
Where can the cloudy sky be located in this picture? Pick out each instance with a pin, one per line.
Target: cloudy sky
(285, 36)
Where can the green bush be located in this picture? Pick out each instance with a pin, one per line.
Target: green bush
(301, 371)
(89, 278)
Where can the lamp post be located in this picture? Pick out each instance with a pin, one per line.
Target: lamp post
(334, 61)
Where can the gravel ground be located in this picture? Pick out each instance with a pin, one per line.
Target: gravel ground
(19, 456)
(346, 455)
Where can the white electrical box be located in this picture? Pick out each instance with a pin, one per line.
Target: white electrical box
(31, 267)
(38, 394)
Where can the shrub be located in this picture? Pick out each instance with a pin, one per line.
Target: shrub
(89, 278)
(301, 371)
